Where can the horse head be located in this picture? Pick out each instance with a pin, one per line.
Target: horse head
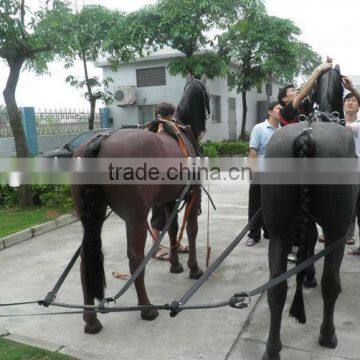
(328, 93)
(194, 107)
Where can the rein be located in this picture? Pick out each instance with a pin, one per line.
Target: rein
(237, 301)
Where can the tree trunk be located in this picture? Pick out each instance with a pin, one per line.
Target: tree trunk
(21, 147)
(268, 97)
(13, 111)
(90, 96)
(244, 114)
(92, 113)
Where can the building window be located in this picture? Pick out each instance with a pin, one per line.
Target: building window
(147, 113)
(259, 88)
(151, 77)
(216, 109)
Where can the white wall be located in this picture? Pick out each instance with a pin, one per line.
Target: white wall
(172, 93)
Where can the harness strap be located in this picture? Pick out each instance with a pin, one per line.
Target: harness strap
(215, 265)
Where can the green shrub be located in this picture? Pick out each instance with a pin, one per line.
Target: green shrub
(43, 195)
(210, 151)
(226, 148)
(52, 195)
(9, 196)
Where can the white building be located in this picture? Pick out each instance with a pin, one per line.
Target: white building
(148, 82)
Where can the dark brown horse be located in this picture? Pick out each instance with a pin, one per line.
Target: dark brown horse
(133, 202)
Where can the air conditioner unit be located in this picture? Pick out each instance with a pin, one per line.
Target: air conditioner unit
(125, 96)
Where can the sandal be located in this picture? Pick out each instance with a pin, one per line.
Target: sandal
(250, 242)
(354, 252)
(120, 275)
(162, 256)
(350, 241)
(183, 249)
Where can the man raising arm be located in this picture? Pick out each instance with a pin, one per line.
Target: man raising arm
(295, 102)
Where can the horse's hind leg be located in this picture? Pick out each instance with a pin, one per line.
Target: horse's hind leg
(192, 230)
(175, 265)
(136, 232)
(278, 250)
(310, 278)
(91, 210)
(330, 288)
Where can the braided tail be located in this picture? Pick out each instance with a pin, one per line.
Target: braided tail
(304, 146)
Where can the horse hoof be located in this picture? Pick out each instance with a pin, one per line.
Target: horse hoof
(310, 283)
(196, 274)
(328, 341)
(93, 328)
(176, 269)
(266, 356)
(149, 315)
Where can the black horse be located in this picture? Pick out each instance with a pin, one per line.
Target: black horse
(289, 207)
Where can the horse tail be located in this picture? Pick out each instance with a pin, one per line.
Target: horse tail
(304, 146)
(93, 210)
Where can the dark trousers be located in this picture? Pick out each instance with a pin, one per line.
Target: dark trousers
(158, 218)
(254, 206)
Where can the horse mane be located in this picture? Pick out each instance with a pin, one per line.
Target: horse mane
(329, 92)
(194, 106)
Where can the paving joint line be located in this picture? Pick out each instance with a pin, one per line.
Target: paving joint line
(245, 326)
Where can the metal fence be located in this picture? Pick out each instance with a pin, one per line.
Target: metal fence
(54, 122)
(5, 129)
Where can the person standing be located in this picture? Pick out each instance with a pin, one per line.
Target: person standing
(260, 136)
(164, 111)
(351, 109)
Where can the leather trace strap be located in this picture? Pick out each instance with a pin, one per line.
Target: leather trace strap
(238, 301)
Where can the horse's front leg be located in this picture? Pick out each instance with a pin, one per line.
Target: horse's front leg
(276, 296)
(175, 265)
(192, 230)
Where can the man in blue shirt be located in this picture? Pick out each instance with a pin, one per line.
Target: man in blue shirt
(260, 136)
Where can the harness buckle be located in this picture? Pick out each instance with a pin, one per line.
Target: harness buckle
(104, 306)
(238, 300)
(50, 297)
(173, 306)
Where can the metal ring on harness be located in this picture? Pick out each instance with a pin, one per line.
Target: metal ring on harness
(237, 301)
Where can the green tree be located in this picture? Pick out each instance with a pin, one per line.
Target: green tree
(97, 33)
(263, 47)
(24, 42)
(184, 25)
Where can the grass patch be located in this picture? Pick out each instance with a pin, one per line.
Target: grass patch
(15, 219)
(10, 350)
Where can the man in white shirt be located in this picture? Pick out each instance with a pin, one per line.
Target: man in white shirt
(351, 109)
(260, 136)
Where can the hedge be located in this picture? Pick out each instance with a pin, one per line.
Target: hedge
(225, 148)
(49, 195)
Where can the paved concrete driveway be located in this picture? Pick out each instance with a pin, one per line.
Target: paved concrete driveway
(29, 270)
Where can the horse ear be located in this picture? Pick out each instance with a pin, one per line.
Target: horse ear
(203, 79)
(189, 77)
